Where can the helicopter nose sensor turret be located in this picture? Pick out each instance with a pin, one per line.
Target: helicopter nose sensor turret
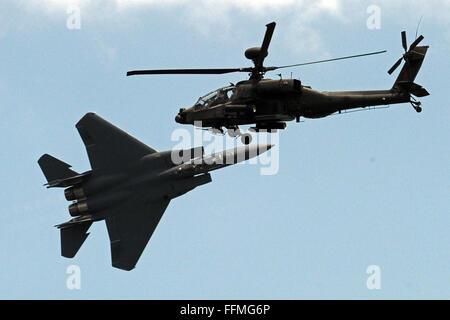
(180, 118)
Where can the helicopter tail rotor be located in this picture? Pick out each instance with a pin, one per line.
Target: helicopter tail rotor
(410, 54)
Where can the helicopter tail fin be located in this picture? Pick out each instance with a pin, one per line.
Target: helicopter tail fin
(410, 69)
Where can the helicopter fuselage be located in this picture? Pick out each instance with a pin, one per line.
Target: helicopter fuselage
(269, 103)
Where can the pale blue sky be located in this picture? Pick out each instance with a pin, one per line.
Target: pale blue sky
(352, 190)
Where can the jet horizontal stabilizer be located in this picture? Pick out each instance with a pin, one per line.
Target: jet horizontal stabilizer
(75, 221)
(62, 183)
(73, 235)
(55, 169)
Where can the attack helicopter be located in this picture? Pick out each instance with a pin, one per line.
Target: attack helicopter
(269, 104)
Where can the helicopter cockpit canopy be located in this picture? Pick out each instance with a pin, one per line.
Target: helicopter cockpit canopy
(215, 97)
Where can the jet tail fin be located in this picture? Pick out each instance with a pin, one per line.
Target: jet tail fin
(55, 169)
(73, 236)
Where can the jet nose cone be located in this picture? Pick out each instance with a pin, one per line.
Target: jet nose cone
(265, 147)
(250, 151)
(257, 149)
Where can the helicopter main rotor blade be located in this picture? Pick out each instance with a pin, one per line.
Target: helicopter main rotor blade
(258, 59)
(186, 71)
(267, 37)
(327, 60)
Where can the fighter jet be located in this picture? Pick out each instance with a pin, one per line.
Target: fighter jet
(130, 186)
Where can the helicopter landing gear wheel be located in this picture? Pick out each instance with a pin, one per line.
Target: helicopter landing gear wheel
(416, 105)
(246, 138)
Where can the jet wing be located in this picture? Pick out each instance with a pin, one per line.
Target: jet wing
(130, 228)
(108, 146)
